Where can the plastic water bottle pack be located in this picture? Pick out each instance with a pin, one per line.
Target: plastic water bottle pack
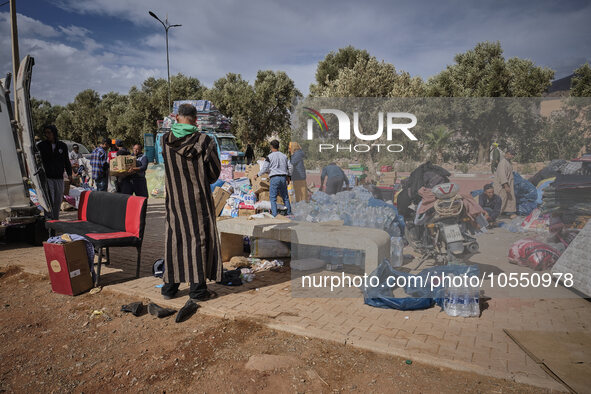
(462, 301)
(352, 207)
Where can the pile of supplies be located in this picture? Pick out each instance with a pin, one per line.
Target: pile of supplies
(245, 196)
(209, 118)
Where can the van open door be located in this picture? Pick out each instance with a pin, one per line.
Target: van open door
(35, 168)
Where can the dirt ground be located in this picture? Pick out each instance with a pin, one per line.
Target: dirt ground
(52, 343)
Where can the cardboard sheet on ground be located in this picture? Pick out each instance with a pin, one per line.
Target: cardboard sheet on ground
(575, 260)
(566, 356)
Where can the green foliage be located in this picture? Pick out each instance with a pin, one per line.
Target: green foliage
(328, 69)
(438, 141)
(257, 111)
(462, 167)
(114, 108)
(87, 122)
(483, 72)
(233, 96)
(275, 97)
(581, 82)
(564, 136)
(369, 77)
(526, 79)
(43, 113)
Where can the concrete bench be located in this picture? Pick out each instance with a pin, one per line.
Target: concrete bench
(375, 243)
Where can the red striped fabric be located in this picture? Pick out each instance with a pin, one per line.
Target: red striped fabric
(120, 234)
(133, 215)
(82, 205)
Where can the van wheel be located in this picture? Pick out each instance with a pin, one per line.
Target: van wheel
(37, 233)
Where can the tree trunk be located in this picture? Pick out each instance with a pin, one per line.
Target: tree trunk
(372, 168)
(482, 152)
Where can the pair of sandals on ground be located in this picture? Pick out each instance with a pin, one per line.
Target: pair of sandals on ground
(137, 309)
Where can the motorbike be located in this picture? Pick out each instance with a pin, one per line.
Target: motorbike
(444, 232)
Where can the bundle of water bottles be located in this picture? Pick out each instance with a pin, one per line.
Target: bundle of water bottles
(356, 207)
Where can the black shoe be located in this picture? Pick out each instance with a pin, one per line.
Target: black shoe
(186, 311)
(159, 311)
(135, 308)
(210, 295)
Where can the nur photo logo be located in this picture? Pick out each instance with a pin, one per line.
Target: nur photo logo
(391, 119)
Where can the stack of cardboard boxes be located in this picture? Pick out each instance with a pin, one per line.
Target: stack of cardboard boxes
(387, 179)
(255, 190)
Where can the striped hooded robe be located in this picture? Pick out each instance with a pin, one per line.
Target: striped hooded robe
(192, 247)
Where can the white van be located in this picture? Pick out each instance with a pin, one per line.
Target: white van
(20, 162)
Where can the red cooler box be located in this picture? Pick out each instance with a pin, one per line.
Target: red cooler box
(68, 267)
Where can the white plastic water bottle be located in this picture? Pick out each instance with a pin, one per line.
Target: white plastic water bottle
(396, 248)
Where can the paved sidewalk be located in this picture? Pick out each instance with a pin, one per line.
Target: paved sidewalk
(430, 336)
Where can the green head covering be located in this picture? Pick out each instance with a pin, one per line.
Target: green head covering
(181, 130)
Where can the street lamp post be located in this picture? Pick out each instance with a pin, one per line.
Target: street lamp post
(15, 56)
(166, 27)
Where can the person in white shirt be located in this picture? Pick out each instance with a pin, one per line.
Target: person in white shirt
(279, 168)
(75, 154)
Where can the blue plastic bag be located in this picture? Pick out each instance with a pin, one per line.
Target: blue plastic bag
(422, 292)
(526, 195)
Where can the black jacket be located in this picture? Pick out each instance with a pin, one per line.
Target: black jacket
(428, 175)
(55, 161)
(495, 203)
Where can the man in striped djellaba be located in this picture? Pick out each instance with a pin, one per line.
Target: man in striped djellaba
(192, 251)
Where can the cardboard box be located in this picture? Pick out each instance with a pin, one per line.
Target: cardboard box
(68, 267)
(387, 179)
(122, 164)
(246, 212)
(220, 196)
(231, 245)
(261, 184)
(252, 171)
(264, 196)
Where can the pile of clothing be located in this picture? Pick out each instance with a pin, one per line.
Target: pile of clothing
(568, 197)
(560, 167)
(533, 254)
(541, 255)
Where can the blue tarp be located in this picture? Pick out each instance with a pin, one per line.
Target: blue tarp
(526, 195)
(217, 183)
(420, 296)
(375, 202)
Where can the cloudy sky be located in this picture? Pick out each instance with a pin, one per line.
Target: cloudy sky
(110, 45)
